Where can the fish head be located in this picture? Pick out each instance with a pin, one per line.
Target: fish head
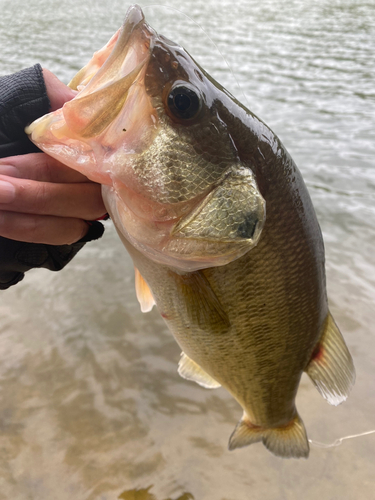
(145, 123)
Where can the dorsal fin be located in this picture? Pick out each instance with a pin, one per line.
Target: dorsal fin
(144, 294)
(331, 367)
(190, 370)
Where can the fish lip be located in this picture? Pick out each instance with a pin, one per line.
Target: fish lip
(135, 35)
(133, 16)
(130, 47)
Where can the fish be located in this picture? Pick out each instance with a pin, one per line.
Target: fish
(218, 221)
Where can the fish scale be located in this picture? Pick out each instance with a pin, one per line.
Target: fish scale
(182, 173)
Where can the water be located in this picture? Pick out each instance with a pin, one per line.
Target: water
(91, 403)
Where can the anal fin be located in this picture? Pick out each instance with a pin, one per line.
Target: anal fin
(190, 370)
(331, 367)
(143, 292)
(289, 441)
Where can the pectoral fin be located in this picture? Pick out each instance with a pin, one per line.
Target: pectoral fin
(331, 368)
(200, 302)
(144, 294)
(190, 370)
(234, 212)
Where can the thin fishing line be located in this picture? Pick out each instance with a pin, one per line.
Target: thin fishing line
(339, 441)
(207, 35)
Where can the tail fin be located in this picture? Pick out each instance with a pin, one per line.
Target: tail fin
(289, 441)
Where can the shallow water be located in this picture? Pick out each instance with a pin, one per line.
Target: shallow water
(91, 404)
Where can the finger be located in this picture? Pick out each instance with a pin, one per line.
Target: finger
(78, 200)
(42, 228)
(39, 167)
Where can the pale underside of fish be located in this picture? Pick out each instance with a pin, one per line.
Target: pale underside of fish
(188, 174)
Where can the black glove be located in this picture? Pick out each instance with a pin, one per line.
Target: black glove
(18, 257)
(23, 99)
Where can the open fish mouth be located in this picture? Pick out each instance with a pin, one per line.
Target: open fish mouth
(108, 88)
(146, 124)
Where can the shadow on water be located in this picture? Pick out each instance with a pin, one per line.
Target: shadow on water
(145, 494)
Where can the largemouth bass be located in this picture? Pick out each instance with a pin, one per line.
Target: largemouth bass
(219, 224)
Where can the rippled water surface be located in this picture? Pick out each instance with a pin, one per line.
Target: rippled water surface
(91, 405)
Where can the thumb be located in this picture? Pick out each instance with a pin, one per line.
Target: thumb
(58, 93)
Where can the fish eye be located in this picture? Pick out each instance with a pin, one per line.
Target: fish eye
(183, 102)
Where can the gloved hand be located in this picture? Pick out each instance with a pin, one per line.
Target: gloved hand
(44, 205)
